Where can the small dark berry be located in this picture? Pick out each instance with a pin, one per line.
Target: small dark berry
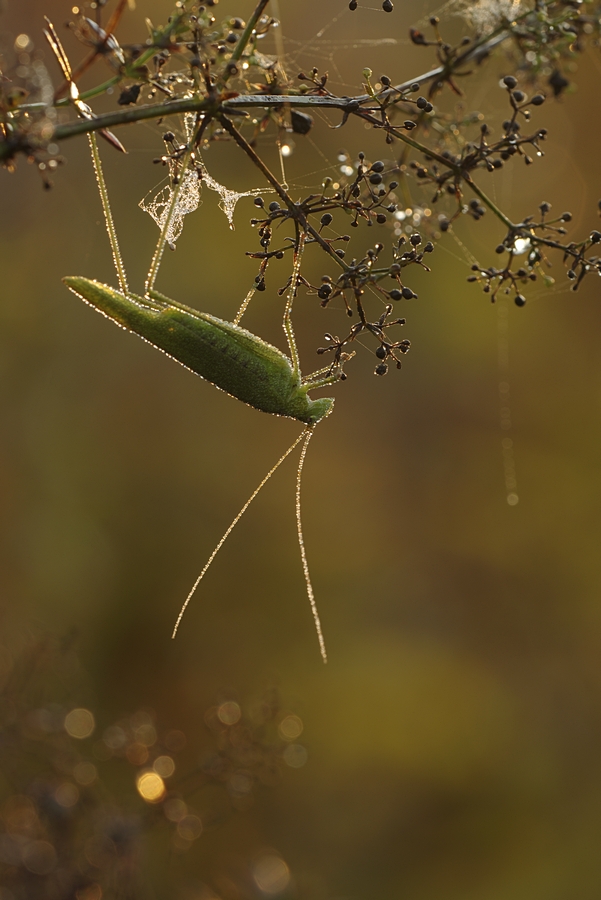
(381, 369)
(520, 300)
(378, 166)
(408, 294)
(395, 294)
(273, 206)
(595, 236)
(381, 352)
(381, 219)
(302, 123)
(129, 95)
(258, 201)
(519, 96)
(421, 102)
(387, 6)
(326, 219)
(538, 100)
(510, 82)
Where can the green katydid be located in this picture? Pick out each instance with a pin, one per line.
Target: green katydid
(234, 360)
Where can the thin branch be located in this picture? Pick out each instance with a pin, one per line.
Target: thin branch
(294, 208)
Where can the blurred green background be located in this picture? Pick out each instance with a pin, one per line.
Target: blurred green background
(453, 740)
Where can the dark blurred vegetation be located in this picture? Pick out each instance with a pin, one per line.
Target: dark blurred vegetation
(451, 748)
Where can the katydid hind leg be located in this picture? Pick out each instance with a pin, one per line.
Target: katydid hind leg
(303, 552)
(289, 330)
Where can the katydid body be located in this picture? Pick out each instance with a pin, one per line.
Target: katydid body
(234, 360)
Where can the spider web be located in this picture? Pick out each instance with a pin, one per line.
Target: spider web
(188, 201)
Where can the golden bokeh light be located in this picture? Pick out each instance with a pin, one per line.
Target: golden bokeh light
(290, 728)
(175, 809)
(164, 766)
(151, 786)
(229, 712)
(66, 795)
(271, 874)
(189, 828)
(79, 723)
(295, 756)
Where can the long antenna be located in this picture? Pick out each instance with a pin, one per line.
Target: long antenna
(301, 544)
(235, 522)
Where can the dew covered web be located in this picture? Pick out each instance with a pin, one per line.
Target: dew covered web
(189, 195)
(188, 201)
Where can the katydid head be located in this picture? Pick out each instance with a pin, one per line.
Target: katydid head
(318, 410)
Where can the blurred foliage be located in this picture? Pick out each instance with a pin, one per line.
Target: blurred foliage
(99, 818)
(451, 746)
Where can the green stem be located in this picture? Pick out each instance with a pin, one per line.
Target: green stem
(247, 33)
(488, 202)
